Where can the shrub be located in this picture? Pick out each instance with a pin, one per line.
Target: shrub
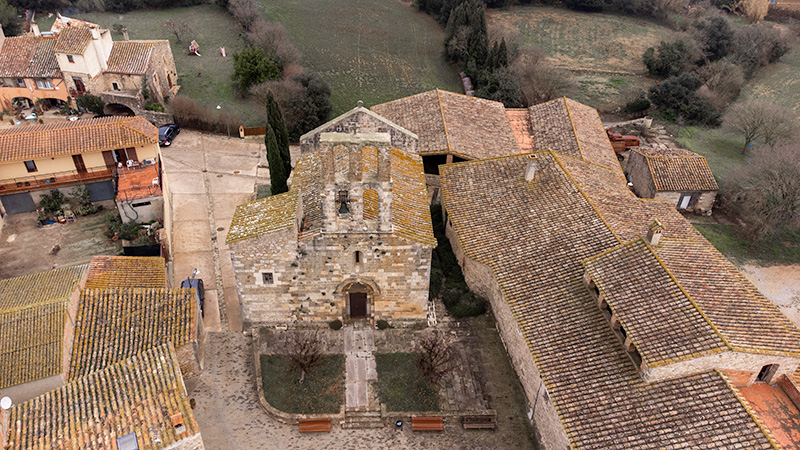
(251, 66)
(335, 324)
(452, 295)
(469, 305)
(637, 105)
(585, 5)
(677, 98)
(670, 58)
(715, 36)
(435, 287)
(758, 45)
(52, 202)
(190, 114)
(91, 103)
(154, 106)
(724, 80)
(382, 324)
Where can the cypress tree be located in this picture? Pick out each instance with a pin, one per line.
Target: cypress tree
(275, 120)
(277, 173)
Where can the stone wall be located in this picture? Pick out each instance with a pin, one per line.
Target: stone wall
(311, 277)
(638, 173)
(194, 442)
(541, 411)
(725, 361)
(703, 201)
(365, 123)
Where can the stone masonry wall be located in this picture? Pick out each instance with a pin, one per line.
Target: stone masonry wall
(363, 122)
(194, 442)
(639, 174)
(541, 411)
(311, 277)
(733, 361)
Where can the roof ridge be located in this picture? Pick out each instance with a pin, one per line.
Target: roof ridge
(444, 124)
(124, 123)
(572, 124)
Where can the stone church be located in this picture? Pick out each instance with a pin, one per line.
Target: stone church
(351, 240)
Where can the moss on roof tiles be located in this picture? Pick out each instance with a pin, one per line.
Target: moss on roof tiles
(126, 271)
(266, 215)
(678, 170)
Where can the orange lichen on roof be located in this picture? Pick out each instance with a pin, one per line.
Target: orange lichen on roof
(131, 57)
(72, 138)
(136, 184)
(126, 271)
(137, 394)
(520, 120)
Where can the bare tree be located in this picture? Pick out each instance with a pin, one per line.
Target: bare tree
(766, 190)
(436, 358)
(178, 27)
(274, 39)
(756, 120)
(304, 350)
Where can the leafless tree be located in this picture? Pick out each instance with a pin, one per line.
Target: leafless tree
(274, 39)
(245, 12)
(436, 358)
(723, 81)
(753, 10)
(766, 190)
(177, 27)
(758, 120)
(540, 82)
(304, 350)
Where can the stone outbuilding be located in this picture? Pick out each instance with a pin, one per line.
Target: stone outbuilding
(352, 239)
(678, 176)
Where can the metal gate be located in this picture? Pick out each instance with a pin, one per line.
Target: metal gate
(101, 191)
(18, 203)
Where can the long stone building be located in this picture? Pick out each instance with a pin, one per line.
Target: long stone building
(352, 239)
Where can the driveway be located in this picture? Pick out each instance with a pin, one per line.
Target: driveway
(207, 176)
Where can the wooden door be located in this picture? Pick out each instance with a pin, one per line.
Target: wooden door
(131, 152)
(108, 158)
(358, 305)
(79, 165)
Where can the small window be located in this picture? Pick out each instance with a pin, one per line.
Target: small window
(267, 278)
(44, 84)
(358, 257)
(137, 205)
(20, 82)
(70, 58)
(115, 86)
(31, 166)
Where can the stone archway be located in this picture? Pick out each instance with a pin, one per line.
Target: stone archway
(359, 298)
(118, 109)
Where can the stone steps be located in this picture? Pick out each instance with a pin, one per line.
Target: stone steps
(360, 419)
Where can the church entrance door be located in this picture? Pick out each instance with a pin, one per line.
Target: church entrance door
(358, 305)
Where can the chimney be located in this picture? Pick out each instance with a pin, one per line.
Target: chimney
(530, 171)
(35, 29)
(654, 233)
(125, 34)
(2, 37)
(95, 33)
(5, 414)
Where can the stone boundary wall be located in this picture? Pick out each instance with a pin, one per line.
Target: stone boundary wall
(730, 360)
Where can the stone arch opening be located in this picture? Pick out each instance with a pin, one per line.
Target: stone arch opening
(118, 109)
(359, 298)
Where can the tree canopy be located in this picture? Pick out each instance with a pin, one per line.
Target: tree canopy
(251, 67)
(275, 120)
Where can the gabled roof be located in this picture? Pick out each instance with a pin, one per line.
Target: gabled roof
(29, 57)
(126, 271)
(446, 122)
(33, 312)
(73, 40)
(342, 120)
(533, 238)
(675, 169)
(131, 57)
(139, 394)
(278, 212)
(114, 324)
(71, 138)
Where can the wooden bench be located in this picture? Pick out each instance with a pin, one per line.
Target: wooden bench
(427, 423)
(315, 425)
(479, 422)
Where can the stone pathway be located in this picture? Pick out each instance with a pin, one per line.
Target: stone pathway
(359, 348)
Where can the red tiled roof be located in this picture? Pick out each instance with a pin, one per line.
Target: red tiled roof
(138, 184)
(675, 169)
(29, 57)
(131, 57)
(70, 138)
(73, 40)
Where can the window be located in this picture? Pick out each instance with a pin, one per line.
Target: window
(44, 84)
(70, 59)
(79, 86)
(344, 202)
(115, 86)
(358, 257)
(31, 166)
(767, 372)
(137, 205)
(267, 278)
(20, 82)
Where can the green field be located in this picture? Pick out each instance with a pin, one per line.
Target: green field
(722, 150)
(777, 83)
(370, 50)
(206, 78)
(321, 392)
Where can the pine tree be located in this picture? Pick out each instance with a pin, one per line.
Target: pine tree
(275, 120)
(277, 173)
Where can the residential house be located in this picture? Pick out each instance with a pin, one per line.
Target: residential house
(37, 316)
(37, 158)
(29, 72)
(678, 176)
(626, 328)
(138, 402)
(352, 239)
(140, 197)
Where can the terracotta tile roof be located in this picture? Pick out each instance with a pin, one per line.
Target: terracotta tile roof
(534, 237)
(446, 122)
(136, 184)
(520, 121)
(410, 210)
(33, 311)
(278, 212)
(678, 170)
(73, 40)
(114, 324)
(131, 57)
(126, 271)
(29, 57)
(137, 394)
(70, 138)
(663, 322)
(62, 22)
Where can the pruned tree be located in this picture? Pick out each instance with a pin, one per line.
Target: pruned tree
(715, 36)
(277, 172)
(304, 350)
(759, 120)
(766, 190)
(177, 27)
(436, 358)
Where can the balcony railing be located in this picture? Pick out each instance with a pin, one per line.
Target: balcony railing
(53, 179)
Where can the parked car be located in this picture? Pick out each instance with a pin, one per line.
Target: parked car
(167, 133)
(199, 290)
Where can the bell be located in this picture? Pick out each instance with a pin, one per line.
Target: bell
(343, 209)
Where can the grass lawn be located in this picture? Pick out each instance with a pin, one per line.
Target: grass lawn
(780, 249)
(722, 150)
(322, 390)
(206, 78)
(400, 385)
(370, 50)
(777, 83)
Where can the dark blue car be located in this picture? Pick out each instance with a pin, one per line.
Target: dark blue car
(200, 292)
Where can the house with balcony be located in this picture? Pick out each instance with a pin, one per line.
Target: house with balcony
(37, 158)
